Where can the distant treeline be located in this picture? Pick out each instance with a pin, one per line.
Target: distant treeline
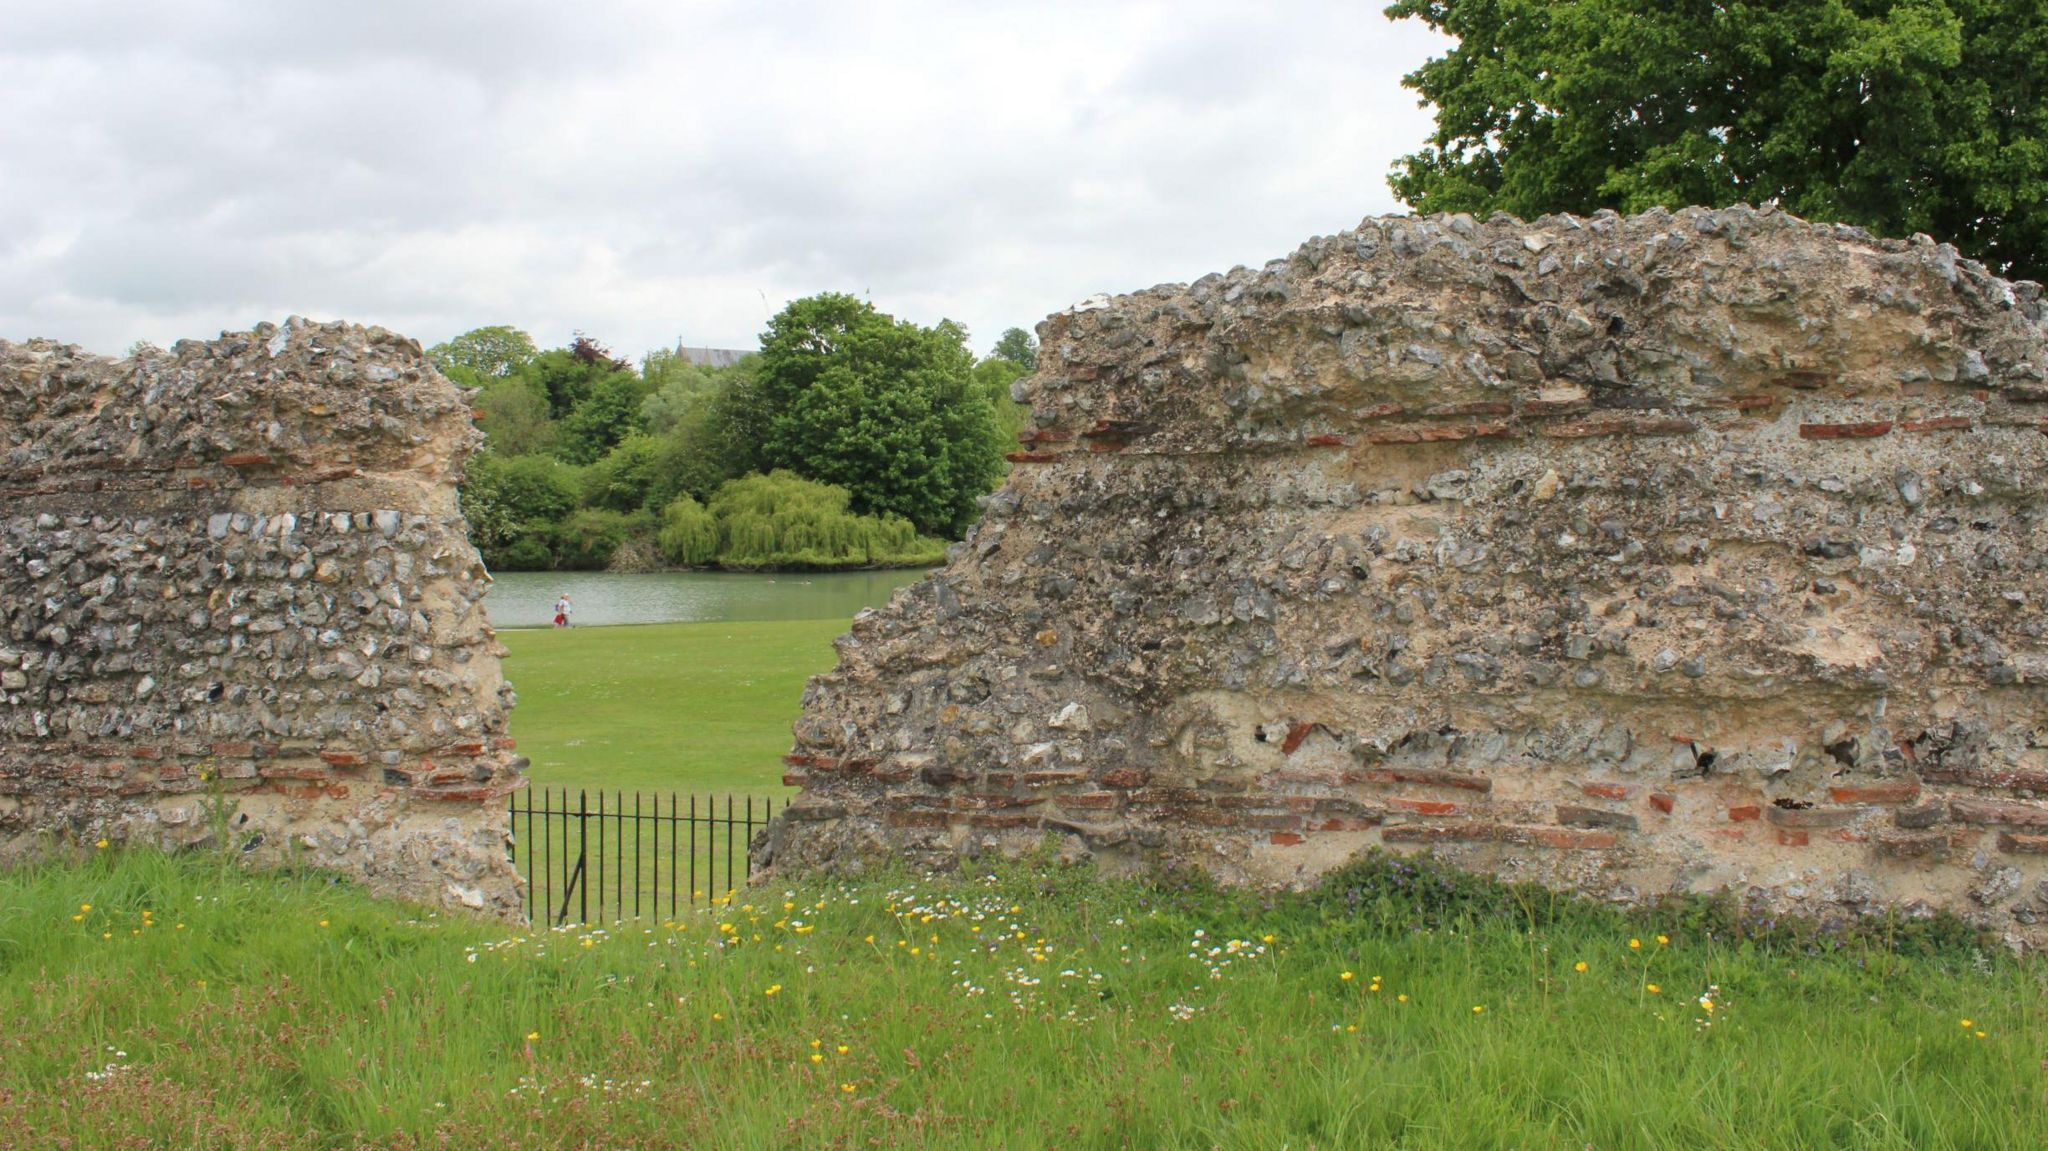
(851, 439)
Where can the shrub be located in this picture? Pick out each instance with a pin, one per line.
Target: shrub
(587, 539)
(622, 480)
(525, 553)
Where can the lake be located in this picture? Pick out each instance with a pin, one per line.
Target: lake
(527, 599)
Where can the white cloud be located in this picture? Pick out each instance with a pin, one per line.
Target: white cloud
(643, 171)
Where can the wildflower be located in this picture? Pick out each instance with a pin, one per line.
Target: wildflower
(1662, 940)
(532, 1036)
(323, 923)
(1267, 938)
(841, 1049)
(102, 845)
(847, 1088)
(84, 907)
(817, 1058)
(1346, 977)
(1980, 1035)
(1653, 989)
(1635, 945)
(717, 1016)
(1580, 967)
(1400, 998)
(1478, 1009)
(773, 988)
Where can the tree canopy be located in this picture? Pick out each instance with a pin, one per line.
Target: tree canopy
(1017, 346)
(881, 407)
(481, 355)
(1898, 115)
(855, 439)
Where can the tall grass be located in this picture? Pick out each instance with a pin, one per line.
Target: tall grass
(1034, 1007)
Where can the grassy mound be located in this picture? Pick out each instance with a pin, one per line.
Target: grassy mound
(171, 1002)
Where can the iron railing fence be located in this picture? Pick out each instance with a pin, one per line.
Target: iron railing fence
(600, 857)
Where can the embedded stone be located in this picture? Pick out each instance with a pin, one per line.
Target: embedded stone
(1477, 529)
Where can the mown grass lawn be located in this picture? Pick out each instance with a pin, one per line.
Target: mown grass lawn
(688, 707)
(153, 1002)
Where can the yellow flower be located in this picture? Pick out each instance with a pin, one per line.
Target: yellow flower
(84, 907)
(1346, 977)
(532, 1036)
(817, 1043)
(1478, 1010)
(1967, 1025)
(1580, 967)
(1401, 998)
(1663, 939)
(846, 1087)
(1635, 944)
(323, 923)
(841, 1049)
(717, 1015)
(1980, 1035)
(102, 845)
(817, 1058)
(1267, 938)
(772, 989)
(1653, 989)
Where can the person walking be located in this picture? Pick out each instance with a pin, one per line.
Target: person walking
(562, 609)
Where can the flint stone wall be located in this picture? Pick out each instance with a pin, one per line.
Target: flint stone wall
(1684, 551)
(237, 595)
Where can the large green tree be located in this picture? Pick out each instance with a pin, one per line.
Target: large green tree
(480, 355)
(884, 408)
(1017, 346)
(1898, 115)
(568, 376)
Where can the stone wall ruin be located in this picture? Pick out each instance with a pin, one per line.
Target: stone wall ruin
(237, 598)
(1687, 551)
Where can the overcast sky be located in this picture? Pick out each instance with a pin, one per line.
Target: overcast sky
(648, 171)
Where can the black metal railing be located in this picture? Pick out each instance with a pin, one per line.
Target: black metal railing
(599, 857)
